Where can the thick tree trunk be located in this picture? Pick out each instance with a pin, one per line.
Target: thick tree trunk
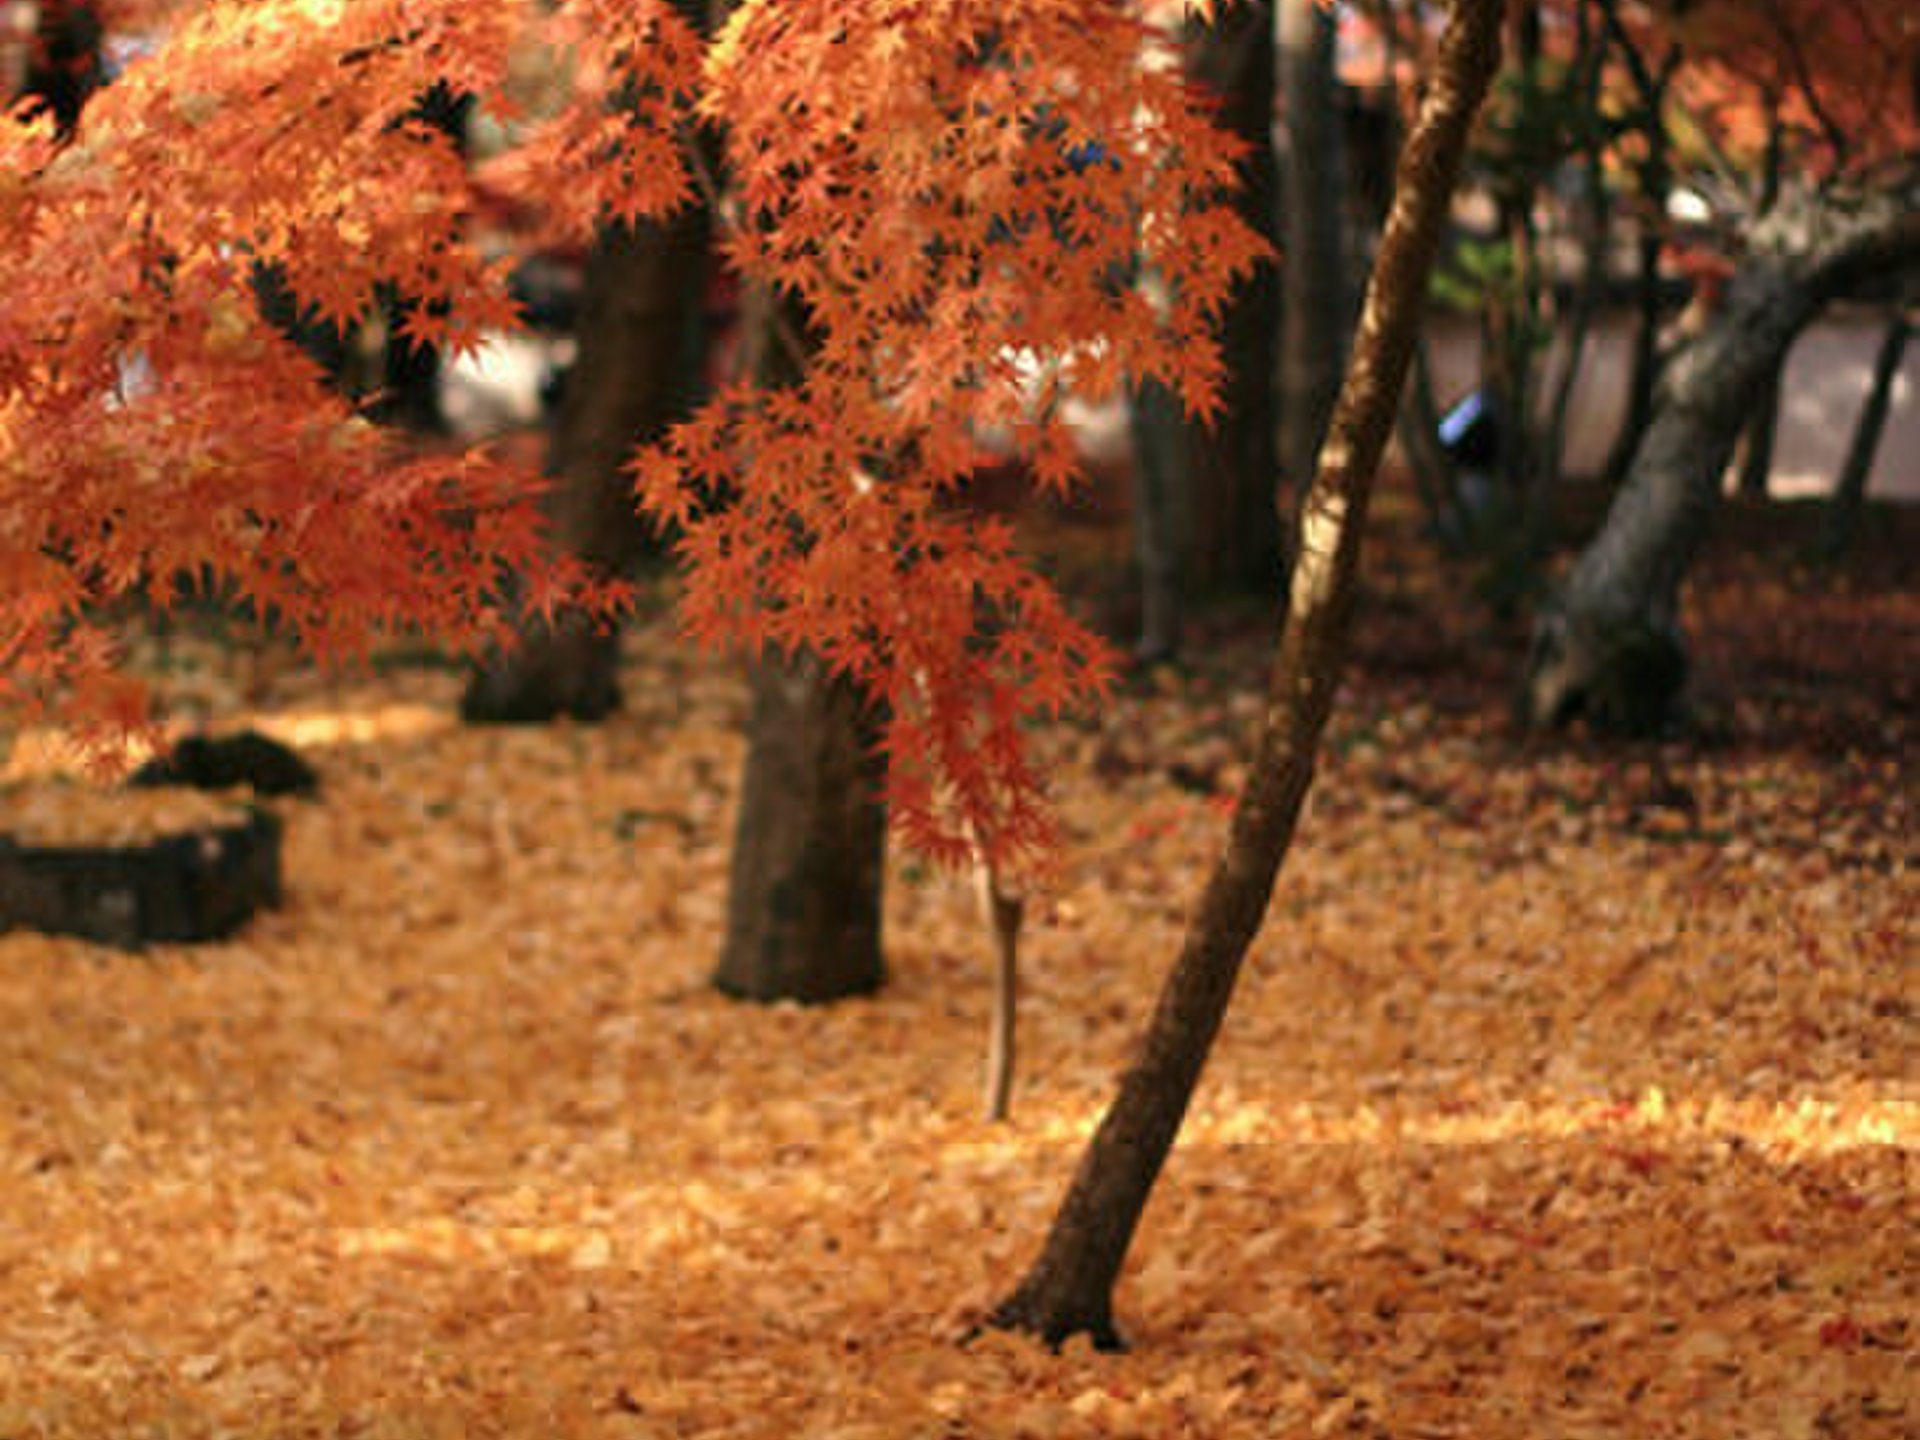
(639, 368)
(1069, 1290)
(1232, 541)
(65, 66)
(1850, 490)
(803, 909)
(1312, 280)
(806, 881)
(1608, 647)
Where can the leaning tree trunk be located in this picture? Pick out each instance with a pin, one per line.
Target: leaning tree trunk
(1608, 647)
(1069, 1290)
(640, 365)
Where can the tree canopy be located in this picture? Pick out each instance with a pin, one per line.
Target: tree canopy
(959, 194)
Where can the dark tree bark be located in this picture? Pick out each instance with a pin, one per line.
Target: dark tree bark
(65, 66)
(1850, 490)
(1312, 278)
(1232, 540)
(803, 907)
(1608, 647)
(1163, 444)
(1595, 238)
(1756, 457)
(639, 368)
(1069, 1289)
(1756, 450)
(805, 884)
(1434, 473)
(1656, 182)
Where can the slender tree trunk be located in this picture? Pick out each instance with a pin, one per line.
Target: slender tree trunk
(1313, 302)
(1756, 450)
(1644, 362)
(1069, 1289)
(1578, 331)
(1756, 458)
(639, 368)
(1418, 427)
(1435, 477)
(1162, 491)
(1003, 913)
(1594, 234)
(1608, 648)
(1232, 543)
(1656, 180)
(1849, 492)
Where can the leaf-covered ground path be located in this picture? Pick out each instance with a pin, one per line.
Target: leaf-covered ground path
(1568, 1095)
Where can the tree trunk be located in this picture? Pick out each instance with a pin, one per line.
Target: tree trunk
(1850, 491)
(1645, 362)
(803, 907)
(1162, 491)
(65, 65)
(639, 368)
(805, 884)
(1434, 474)
(1069, 1290)
(1232, 539)
(1313, 286)
(1608, 647)
(1656, 181)
(1756, 451)
(1596, 243)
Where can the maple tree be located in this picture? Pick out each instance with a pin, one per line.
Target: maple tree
(928, 197)
(1068, 1291)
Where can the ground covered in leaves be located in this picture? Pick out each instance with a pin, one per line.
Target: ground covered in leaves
(1569, 1092)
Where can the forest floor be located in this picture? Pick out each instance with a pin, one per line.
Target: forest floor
(1569, 1092)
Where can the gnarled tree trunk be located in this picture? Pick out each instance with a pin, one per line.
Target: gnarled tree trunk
(1069, 1290)
(1608, 647)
